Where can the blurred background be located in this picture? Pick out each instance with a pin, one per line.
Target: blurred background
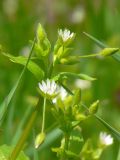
(18, 22)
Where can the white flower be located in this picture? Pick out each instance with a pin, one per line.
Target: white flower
(105, 139)
(48, 87)
(62, 94)
(65, 34)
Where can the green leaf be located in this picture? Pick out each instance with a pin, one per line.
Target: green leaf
(109, 127)
(73, 75)
(102, 45)
(32, 67)
(7, 100)
(5, 152)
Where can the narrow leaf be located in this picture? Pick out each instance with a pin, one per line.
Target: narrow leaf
(109, 127)
(73, 75)
(7, 100)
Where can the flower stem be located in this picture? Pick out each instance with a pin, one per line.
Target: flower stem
(66, 146)
(66, 141)
(43, 120)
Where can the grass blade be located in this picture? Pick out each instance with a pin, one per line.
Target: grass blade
(7, 100)
(109, 127)
(118, 156)
(21, 125)
(102, 45)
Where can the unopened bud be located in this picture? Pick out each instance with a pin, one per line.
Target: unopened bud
(40, 33)
(94, 107)
(70, 60)
(39, 139)
(80, 117)
(108, 51)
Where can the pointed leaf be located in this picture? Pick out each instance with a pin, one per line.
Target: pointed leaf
(73, 75)
(32, 67)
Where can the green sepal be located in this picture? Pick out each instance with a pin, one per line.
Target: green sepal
(80, 117)
(67, 42)
(66, 52)
(70, 60)
(77, 97)
(60, 52)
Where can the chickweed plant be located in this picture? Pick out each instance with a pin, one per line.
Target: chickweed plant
(65, 104)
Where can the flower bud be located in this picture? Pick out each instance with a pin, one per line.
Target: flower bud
(108, 51)
(41, 35)
(39, 139)
(43, 46)
(70, 60)
(94, 107)
(80, 117)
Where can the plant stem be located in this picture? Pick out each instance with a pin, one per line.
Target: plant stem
(43, 120)
(66, 146)
(67, 137)
(25, 134)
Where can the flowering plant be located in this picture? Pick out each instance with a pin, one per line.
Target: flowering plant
(66, 104)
